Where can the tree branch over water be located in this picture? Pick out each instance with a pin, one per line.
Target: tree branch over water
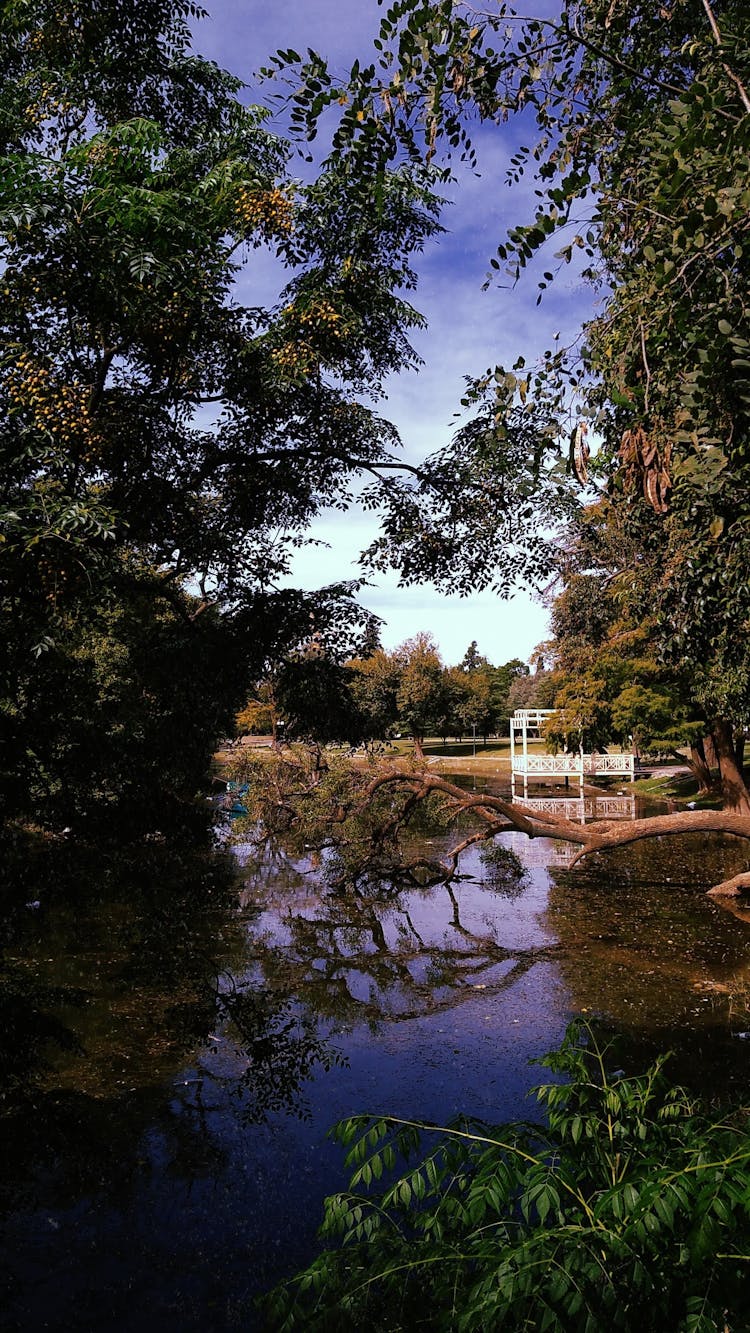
(364, 818)
(600, 836)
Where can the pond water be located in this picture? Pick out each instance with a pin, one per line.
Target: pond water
(181, 1032)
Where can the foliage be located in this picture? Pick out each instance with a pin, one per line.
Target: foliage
(319, 697)
(473, 660)
(611, 683)
(503, 871)
(637, 151)
(282, 1047)
(483, 510)
(373, 682)
(258, 717)
(529, 690)
(164, 438)
(628, 1208)
(314, 698)
(109, 729)
(358, 825)
(420, 696)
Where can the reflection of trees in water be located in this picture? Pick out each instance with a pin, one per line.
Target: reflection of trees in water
(279, 1045)
(115, 974)
(111, 956)
(641, 943)
(384, 952)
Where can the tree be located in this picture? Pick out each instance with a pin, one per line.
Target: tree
(314, 699)
(259, 717)
(476, 710)
(476, 696)
(366, 817)
(118, 716)
(165, 446)
(420, 688)
(531, 690)
(502, 679)
(374, 682)
(606, 648)
(643, 129)
(472, 659)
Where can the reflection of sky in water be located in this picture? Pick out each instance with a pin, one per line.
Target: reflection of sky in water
(164, 1198)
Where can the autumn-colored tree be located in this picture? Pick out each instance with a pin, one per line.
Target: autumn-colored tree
(259, 717)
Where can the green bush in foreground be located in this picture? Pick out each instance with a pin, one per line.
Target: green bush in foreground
(629, 1210)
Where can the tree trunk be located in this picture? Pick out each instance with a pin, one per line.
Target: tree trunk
(734, 793)
(731, 888)
(418, 747)
(709, 749)
(739, 751)
(698, 766)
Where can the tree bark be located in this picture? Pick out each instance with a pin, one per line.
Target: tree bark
(731, 888)
(734, 793)
(418, 747)
(709, 749)
(498, 815)
(699, 768)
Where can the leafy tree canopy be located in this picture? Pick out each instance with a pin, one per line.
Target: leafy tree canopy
(638, 149)
(161, 437)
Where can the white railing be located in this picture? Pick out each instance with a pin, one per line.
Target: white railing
(581, 808)
(571, 762)
(531, 717)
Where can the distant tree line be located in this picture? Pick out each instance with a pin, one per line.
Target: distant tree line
(600, 671)
(375, 697)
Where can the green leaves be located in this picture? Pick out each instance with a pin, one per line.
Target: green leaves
(629, 1209)
(149, 417)
(640, 163)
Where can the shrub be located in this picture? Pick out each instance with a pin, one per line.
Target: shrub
(630, 1209)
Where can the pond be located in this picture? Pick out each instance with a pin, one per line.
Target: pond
(181, 1032)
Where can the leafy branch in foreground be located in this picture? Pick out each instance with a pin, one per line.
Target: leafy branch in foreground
(631, 1208)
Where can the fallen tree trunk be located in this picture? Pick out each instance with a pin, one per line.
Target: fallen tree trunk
(364, 816)
(499, 815)
(731, 888)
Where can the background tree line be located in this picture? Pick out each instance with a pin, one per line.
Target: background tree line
(310, 696)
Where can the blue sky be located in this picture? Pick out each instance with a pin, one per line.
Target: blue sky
(468, 329)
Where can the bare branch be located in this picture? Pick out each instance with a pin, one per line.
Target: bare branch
(727, 70)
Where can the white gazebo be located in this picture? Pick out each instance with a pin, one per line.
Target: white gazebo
(569, 763)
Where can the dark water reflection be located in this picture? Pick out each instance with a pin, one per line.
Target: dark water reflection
(642, 943)
(177, 1041)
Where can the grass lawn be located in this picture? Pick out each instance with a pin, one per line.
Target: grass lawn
(465, 756)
